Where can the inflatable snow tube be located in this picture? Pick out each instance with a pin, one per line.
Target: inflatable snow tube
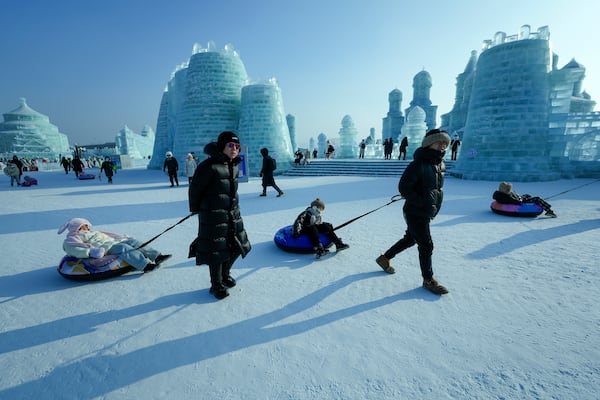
(86, 176)
(301, 244)
(527, 210)
(29, 181)
(92, 269)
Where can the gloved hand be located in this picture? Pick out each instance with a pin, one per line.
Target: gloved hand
(97, 252)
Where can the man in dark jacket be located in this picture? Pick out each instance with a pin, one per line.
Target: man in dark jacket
(172, 167)
(213, 196)
(421, 186)
(268, 167)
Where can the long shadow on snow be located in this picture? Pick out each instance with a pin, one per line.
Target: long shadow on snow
(531, 237)
(192, 349)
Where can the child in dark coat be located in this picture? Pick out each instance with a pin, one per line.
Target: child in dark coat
(310, 222)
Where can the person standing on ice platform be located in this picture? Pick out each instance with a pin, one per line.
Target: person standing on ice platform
(421, 187)
(213, 195)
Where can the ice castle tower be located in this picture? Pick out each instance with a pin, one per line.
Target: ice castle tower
(205, 101)
(507, 126)
(210, 93)
(28, 133)
(348, 134)
(263, 123)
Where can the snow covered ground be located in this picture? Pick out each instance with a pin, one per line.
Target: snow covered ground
(521, 320)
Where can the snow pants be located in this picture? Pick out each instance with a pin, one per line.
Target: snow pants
(129, 252)
(417, 232)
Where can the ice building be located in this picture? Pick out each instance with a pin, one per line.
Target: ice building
(348, 145)
(394, 120)
(321, 145)
(138, 147)
(527, 120)
(263, 123)
(414, 129)
(455, 120)
(28, 133)
(421, 98)
(204, 97)
(291, 123)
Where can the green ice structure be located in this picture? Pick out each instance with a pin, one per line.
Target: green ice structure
(520, 117)
(211, 93)
(29, 134)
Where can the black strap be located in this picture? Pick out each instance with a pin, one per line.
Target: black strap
(169, 228)
(568, 190)
(394, 198)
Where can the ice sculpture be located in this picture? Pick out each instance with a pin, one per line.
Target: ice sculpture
(204, 97)
(291, 123)
(262, 123)
(414, 129)
(456, 119)
(526, 119)
(137, 146)
(348, 145)
(394, 120)
(421, 98)
(28, 133)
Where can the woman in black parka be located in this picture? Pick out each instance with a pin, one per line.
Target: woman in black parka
(213, 196)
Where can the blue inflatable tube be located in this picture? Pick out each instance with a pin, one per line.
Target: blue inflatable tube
(527, 210)
(302, 244)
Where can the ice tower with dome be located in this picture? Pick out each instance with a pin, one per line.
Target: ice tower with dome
(30, 134)
(211, 93)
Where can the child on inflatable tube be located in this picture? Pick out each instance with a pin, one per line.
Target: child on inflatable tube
(83, 242)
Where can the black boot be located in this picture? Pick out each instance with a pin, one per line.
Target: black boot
(216, 279)
(219, 291)
(228, 280)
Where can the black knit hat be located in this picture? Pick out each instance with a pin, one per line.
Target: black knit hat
(435, 135)
(226, 137)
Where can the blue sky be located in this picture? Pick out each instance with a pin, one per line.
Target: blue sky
(95, 66)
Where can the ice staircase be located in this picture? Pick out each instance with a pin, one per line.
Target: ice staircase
(347, 167)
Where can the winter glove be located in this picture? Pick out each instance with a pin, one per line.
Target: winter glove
(97, 252)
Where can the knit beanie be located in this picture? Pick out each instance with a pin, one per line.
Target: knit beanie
(505, 187)
(318, 203)
(435, 135)
(226, 137)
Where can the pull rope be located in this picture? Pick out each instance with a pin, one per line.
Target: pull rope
(394, 199)
(168, 229)
(569, 190)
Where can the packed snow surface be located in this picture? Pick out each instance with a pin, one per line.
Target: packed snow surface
(521, 320)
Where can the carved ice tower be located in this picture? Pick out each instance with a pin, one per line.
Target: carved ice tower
(506, 133)
(263, 124)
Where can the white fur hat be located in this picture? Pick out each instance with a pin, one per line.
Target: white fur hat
(435, 135)
(73, 225)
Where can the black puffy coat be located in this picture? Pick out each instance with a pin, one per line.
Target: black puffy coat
(213, 195)
(422, 181)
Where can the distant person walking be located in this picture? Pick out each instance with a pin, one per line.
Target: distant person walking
(190, 167)
(361, 149)
(269, 165)
(107, 167)
(421, 187)
(12, 171)
(403, 147)
(330, 150)
(454, 145)
(171, 166)
(66, 165)
(77, 166)
(19, 164)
